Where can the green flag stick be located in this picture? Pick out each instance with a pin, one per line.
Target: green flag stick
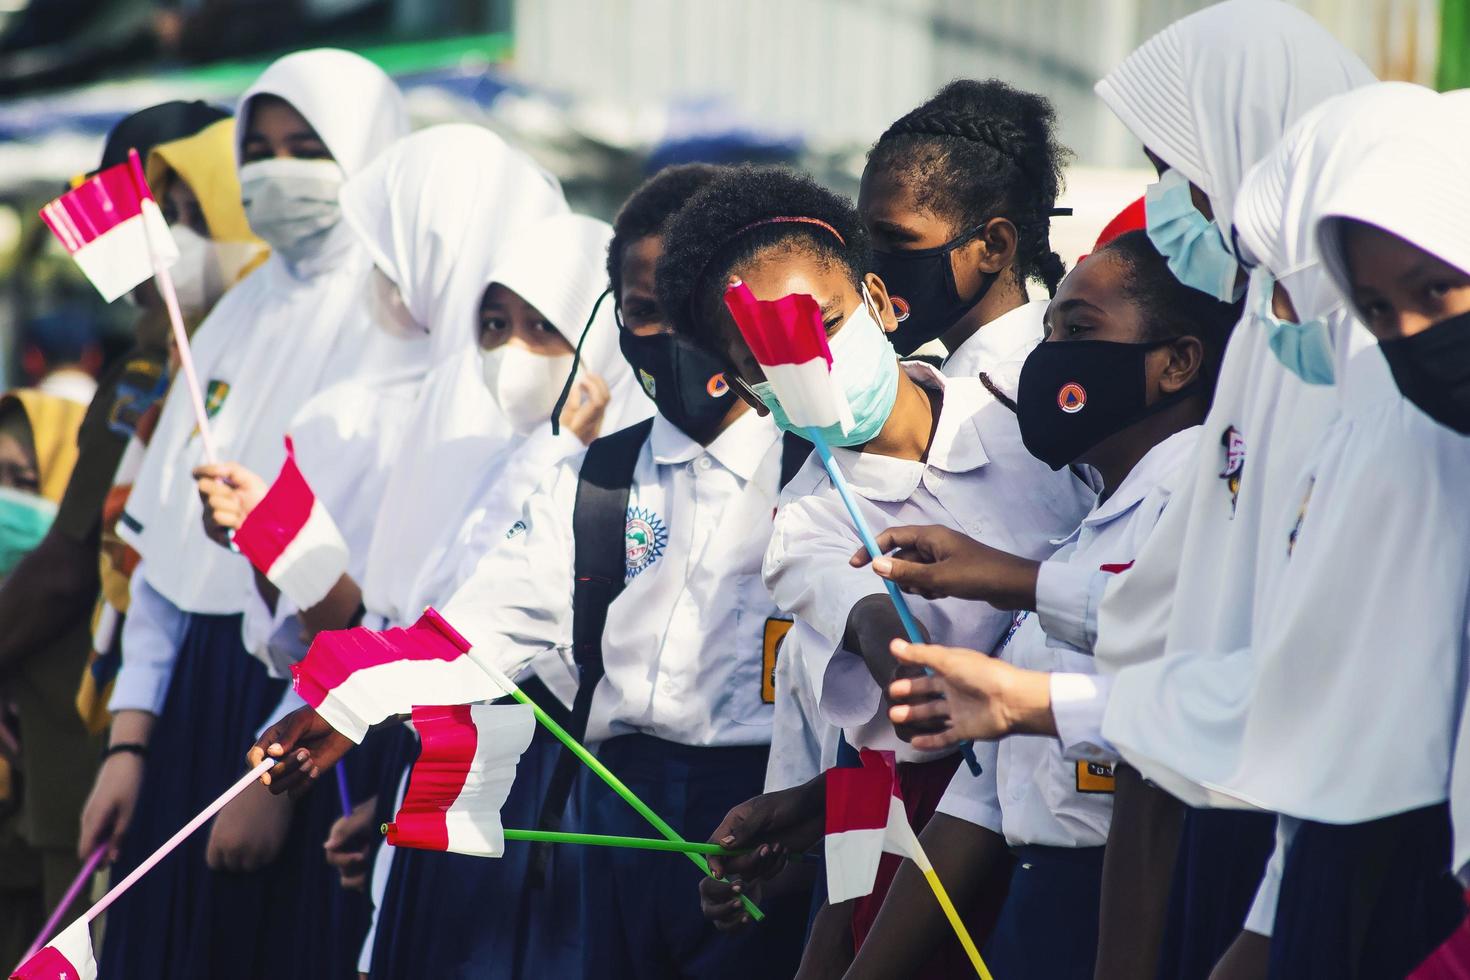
(609, 840)
(616, 784)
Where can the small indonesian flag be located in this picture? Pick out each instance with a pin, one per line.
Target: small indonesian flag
(462, 777)
(788, 340)
(67, 957)
(112, 228)
(355, 678)
(865, 817)
(290, 538)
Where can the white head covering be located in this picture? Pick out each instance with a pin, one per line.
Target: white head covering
(1360, 650)
(435, 212)
(272, 342)
(1213, 92)
(1211, 95)
(462, 468)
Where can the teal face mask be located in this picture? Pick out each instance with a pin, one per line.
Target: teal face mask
(1190, 242)
(865, 366)
(24, 520)
(1304, 349)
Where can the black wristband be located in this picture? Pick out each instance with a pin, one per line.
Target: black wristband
(133, 748)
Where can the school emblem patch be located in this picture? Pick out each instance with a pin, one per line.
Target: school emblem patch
(1072, 398)
(650, 386)
(716, 385)
(645, 538)
(900, 308)
(519, 527)
(215, 394)
(1234, 445)
(1301, 515)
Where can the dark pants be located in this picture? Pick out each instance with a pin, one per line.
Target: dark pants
(1138, 868)
(1365, 901)
(641, 908)
(1048, 926)
(1222, 857)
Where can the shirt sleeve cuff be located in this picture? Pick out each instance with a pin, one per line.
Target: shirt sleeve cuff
(1067, 597)
(1078, 702)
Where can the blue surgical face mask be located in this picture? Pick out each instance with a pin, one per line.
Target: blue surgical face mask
(1190, 242)
(24, 520)
(866, 368)
(1305, 348)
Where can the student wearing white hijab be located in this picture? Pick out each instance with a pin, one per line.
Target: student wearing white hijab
(1359, 660)
(184, 697)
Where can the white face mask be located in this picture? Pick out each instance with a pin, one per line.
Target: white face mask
(292, 204)
(198, 279)
(389, 312)
(525, 385)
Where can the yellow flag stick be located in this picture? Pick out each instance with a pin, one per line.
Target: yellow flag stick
(956, 923)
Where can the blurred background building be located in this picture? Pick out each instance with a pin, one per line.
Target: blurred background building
(603, 92)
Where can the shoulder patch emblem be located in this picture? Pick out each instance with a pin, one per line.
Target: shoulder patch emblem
(1234, 445)
(215, 394)
(645, 538)
(519, 527)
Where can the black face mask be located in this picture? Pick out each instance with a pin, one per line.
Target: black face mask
(925, 298)
(687, 384)
(1432, 370)
(1074, 394)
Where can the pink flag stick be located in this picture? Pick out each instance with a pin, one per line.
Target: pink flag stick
(177, 839)
(176, 319)
(72, 891)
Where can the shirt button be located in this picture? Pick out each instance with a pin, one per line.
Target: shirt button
(689, 468)
(703, 462)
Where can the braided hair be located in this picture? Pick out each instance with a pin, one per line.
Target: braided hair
(981, 150)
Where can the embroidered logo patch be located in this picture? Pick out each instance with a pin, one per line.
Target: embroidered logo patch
(1301, 515)
(776, 630)
(900, 308)
(716, 385)
(1072, 398)
(215, 394)
(645, 538)
(519, 527)
(1095, 777)
(650, 386)
(1234, 444)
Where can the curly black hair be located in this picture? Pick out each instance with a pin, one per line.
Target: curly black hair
(650, 207)
(1170, 308)
(745, 211)
(981, 150)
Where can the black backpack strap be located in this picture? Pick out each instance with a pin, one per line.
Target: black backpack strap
(794, 453)
(599, 564)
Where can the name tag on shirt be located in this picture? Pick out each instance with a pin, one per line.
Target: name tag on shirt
(776, 630)
(1093, 777)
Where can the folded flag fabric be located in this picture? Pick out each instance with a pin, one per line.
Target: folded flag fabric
(112, 227)
(355, 678)
(291, 539)
(463, 774)
(788, 340)
(865, 817)
(1452, 960)
(67, 957)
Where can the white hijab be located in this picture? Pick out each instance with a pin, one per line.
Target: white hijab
(435, 211)
(272, 342)
(461, 478)
(1248, 69)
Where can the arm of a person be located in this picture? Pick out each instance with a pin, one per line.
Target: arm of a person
(336, 610)
(46, 594)
(971, 861)
(152, 634)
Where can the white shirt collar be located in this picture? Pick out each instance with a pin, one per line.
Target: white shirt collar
(739, 449)
(956, 446)
(70, 383)
(1156, 467)
(1006, 338)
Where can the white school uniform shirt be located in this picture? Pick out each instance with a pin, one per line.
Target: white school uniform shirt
(999, 348)
(683, 644)
(1038, 792)
(802, 743)
(979, 479)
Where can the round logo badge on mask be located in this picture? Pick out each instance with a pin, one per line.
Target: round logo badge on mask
(1072, 398)
(900, 308)
(716, 386)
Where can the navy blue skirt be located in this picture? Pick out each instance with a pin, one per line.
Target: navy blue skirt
(1365, 900)
(1222, 857)
(451, 915)
(182, 920)
(1047, 928)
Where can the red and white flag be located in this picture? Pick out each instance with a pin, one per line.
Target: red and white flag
(865, 817)
(113, 229)
(67, 957)
(463, 774)
(291, 539)
(356, 678)
(788, 340)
